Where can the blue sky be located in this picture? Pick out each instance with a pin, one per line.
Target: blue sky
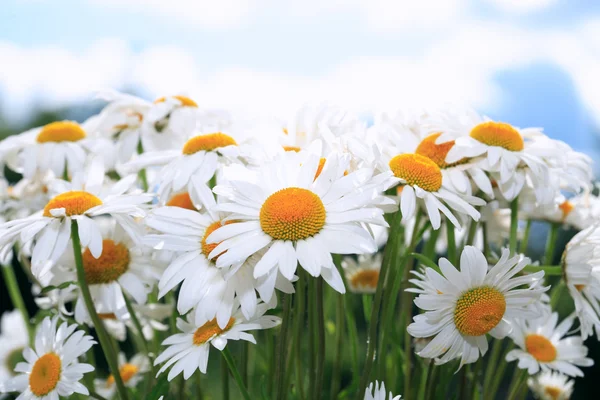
(530, 62)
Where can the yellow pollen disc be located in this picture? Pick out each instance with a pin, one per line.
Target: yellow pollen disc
(292, 214)
(209, 142)
(75, 202)
(498, 134)
(112, 263)
(540, 348)
(436, 152)
(45, 374)
(210, 330)
(479, 310)
(61, 131)
(579, 287)
(181, 200)
(292, 148)
(417, 170)
(185, 101)
(208, 247)
(127, 372)
(566, 207)
(553, 391)
(365, 278)
(320, 168)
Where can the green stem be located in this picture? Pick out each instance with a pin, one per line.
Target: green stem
(433, 375)
(105, 341)
(550, 270)
(518, 378)
(142, 172)
(486, 243)
(491, 366)
(236, 374)
(424, 379)
(500, 369)
(556, 293)
(200, 392)
(138, 326)
(525, 241)
(514, 225)
(320, 340)
(224, 376)
(451, 243)
(551, 243)
(282, 346)
(96, 395)
(299, 330)
(339, 342)
(472, 232)
(10, 280)
(244, 362)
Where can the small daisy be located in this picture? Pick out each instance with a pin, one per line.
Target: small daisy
(188, 351)
(132, 372)
(51, 369)
(80, 200)
(172, 115)
(579, 212)
(471, 302)
(378, 392)
(551, 386)
(298, 214)
(13, 340)
(362, 274)
(543, 346)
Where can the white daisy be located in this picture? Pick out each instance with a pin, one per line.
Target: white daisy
(378, 392)
(362, 274)
(298, 214)
(81, 200)
(13, 340)
(551, 386)
(51, 369)
(132, 372)
(579, 212)
(188, 351)
(473, 302)
(543, 345)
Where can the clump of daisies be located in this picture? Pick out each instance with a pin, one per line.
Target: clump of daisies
(396, 249)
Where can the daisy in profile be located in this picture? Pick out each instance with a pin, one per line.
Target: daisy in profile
(578, 212)
(188, 351)
(14, 338)
(362, 274)
(299, 215)
(378, 392)
(551, 386)
(81, 200)
(543, 345)
(472, 302)
(131, 371)
(51, 369)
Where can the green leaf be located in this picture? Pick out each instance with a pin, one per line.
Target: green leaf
(425, 261)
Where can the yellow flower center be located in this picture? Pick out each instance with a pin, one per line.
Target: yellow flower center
(112, 263)
(498, 134)
(127, 372)
(540, 348)
(45, 374)
(75, 202)
(437, 152)
(579, 287)
(210, 330)
(479, 310)
(185, 101)
(208, 247)
(417, 170)
(566, 207)
(292, 214)
(366, 278)
(553, 391)
(181, 200)
(292, 148)
(209, 142)
(61, 131)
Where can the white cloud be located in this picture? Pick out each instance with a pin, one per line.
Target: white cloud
(522, 6)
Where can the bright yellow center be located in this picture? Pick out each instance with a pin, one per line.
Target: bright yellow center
(209, 142)
(553, 391)
(210, 330)
(366, 278)
(498, 134)
(417, 170)
(185, 101)
(181, 200)
(127, 372)
(436, 152)
(112, 263)
(292, 214)
(479, 310)
(540, 348)
(208, 247)
(45, 374)
(292, 148)
(61, 131)
(75, 202)
(566, 207)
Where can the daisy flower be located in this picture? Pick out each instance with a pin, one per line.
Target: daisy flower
(551, 386)
(188, 351)
(298, 213)
(543, 345)
(472, 302)
(362, 274)
(132, 372)
(13, 340)
(51, 369)
(80, 200)
(378, 392)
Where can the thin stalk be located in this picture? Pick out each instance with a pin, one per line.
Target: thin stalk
(424, 379)
(199, 391)
(551, 243)
(525, 241)
(138, 326)
(462, 384)
(515, 385)
(142, 172)
(501, 367)
(320, 340)
(556, 293)
(105, 341)
(472, 232)
(236, 374)
(10, 280)
(96, 395)
(224, 377)
(353, 335)
(312, 334)
(491, 366)
(299, 331)
(550, 270)
(433, 375)
(339, 342)
(282, 346)
(514, 225)
(486, 242)
(475, 381)
(451, 243)
(244, 362)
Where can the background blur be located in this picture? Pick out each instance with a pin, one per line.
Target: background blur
(527, 62)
